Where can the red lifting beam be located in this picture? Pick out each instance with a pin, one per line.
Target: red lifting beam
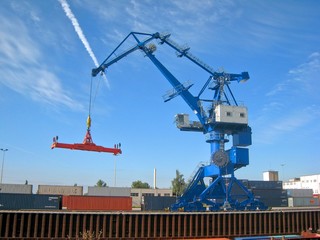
(87, 145)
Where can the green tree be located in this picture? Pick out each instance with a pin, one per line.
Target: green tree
(101, 183)
(178, 184)
(139, 184)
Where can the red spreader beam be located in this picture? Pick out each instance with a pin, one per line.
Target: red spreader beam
(87, 145)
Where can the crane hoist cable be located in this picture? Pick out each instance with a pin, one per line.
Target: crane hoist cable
(88, 139)
(87, 144)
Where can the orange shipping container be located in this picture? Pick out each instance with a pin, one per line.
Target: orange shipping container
(97, 203)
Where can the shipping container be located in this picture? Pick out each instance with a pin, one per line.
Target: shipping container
(109, 191)
(303, 202)
(270, 193)
(300, 192)
(273, 202)
(156, 203)
(60, 190)
(16, 188)
(96, 203)
(19, 201)
(265, 184)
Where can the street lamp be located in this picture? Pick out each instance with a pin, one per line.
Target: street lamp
(4, 151)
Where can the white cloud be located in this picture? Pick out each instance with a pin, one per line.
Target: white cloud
(16, 44)
(302, 78)
(82, 37)
(22, 69)
(291, 121)
(288, 108)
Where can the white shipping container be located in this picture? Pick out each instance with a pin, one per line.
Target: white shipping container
(16, 188)
(60, 190)
(109, 191)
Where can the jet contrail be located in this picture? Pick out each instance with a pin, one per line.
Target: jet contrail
(82, 37)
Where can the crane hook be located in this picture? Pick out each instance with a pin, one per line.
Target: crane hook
(89, 122)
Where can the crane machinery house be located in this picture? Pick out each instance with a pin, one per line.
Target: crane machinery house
(231, 114)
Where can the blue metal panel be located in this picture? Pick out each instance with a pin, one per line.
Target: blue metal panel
(242, 139)
(239, 156)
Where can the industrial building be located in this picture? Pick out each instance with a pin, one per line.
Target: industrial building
(271, 176)
(304, 182)
(303, 191)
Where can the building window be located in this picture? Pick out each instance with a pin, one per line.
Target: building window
(166, 194)
(134, 194)
(242, 115)
(147, 194)
(229, 114)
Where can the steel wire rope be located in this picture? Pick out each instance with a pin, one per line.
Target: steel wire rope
(92, 101)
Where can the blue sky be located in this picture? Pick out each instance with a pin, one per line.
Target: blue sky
(45, 80)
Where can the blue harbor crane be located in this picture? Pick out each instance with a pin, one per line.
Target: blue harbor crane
(218, 118)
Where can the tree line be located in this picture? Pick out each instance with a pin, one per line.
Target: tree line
(178, 184)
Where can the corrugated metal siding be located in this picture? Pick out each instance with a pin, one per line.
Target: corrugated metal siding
(265, 184)
(159, 225)
(155, 203)
(300, 192)
(17, 201)
(60, 190)
(97, 203)
(269, 192)
(303, 202)
(15, 188)
(109, 191)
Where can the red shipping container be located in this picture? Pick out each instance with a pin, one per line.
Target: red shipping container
(97, 203)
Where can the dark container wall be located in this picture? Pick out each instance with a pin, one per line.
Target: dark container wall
(17, 201)
(157, 203)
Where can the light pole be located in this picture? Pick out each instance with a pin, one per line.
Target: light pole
(4, 151)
